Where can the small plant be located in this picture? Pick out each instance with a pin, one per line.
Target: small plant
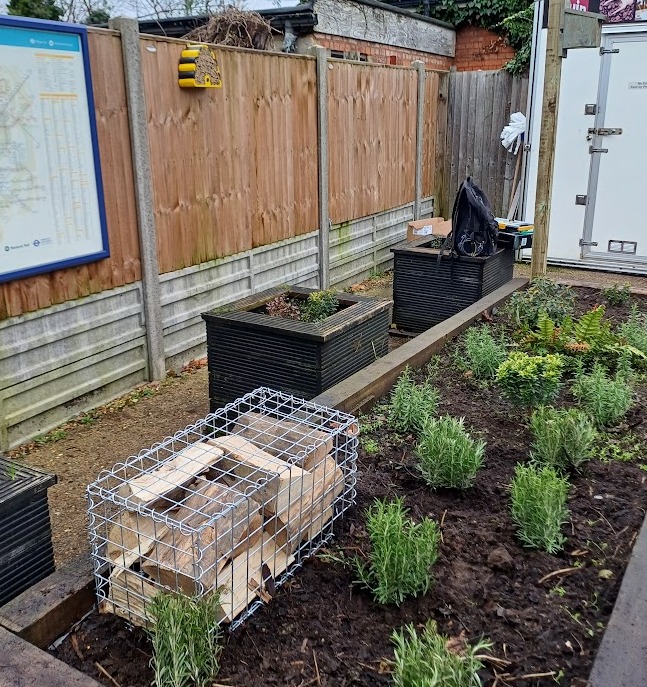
(606, 399)
(634, 330)
(12, 470)
(617, 294)
(412, 404)
(430, 659)
(562, 438)
(284, 307)
(529, 380)
(447, 455)
(539, 506)
(370, 446)
(543, 295)
(186, 640)
(319, 305)
(481, 353)
(402, 553)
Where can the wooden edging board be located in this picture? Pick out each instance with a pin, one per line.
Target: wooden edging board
(48, 610)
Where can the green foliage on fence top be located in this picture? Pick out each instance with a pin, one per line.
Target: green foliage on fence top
(402, 553)
(38, 9)
(429, 659)
(511, 19)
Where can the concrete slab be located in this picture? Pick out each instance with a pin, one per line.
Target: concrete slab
(621, 660)
(24, 665)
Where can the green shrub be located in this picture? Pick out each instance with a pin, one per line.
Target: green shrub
(412, 404)
(427, 659)
(318, 306)
(606, 399)
(529, 380)
(539, 506)
(634, 330)
(186, 640)
(543, 295)
(617, 294)
(562, 438)
(402, 553)
(447, 455)
(481, 353)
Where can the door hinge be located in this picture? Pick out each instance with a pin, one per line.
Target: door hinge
(609, 51)
(581, 200)
(597, 150)
(604, 131)
(588, 243)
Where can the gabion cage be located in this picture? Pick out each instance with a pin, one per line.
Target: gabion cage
(230, 505)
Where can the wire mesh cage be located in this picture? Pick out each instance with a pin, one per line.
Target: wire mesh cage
(230, 505)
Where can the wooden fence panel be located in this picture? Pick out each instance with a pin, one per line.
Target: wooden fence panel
(236, 167)
(122, 267)
(372, 138)
(480, 105)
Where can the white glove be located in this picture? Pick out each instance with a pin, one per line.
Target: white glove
(512, 134)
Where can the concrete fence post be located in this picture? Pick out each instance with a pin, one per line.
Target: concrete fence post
(137, 119)
(420, 69)
(322, 155)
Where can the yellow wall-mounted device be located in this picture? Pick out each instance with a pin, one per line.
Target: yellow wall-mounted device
(199, 68)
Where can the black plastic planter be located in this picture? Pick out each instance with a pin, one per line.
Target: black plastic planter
(427, 291)
(26, 552)
(247, 348)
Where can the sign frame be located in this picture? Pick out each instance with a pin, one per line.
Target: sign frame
(82, 33)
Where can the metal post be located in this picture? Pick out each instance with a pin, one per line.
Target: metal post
(137, 119)
(324, 172)
(549, 112)
(420, 68)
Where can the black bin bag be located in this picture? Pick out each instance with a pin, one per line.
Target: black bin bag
(474, 229)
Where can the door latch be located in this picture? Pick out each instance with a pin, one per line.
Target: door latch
(597, 150)
(580, 200)
(609, 51)
(587, 243)
(605, 132)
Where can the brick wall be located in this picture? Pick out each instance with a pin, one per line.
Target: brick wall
(381, 54)
(478, 48)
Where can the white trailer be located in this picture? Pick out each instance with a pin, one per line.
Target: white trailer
(598, 214)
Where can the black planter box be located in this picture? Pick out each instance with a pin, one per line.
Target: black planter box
(427, 291)
(26, 552)
(248, 349)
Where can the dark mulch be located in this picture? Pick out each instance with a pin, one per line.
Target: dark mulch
(322, 630)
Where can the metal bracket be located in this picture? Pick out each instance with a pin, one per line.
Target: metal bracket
(605, 132)
(590, 109)
(609, 51)
(588, 243)
(581, 200)
(597, 150)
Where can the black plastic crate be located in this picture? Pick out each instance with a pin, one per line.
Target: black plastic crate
(428, 290)
(248, 349)
(26, 552)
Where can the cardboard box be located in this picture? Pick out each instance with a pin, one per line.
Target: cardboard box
(434, 226)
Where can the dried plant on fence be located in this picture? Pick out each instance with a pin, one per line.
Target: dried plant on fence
(539, 506)
(412, 404)
(186, 640)
(447, 456)
(562, 438)
(429, 659)
(606, 399)
(402, 553)
(236, 28)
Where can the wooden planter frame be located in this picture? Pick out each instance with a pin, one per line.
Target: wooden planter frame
(247, 348)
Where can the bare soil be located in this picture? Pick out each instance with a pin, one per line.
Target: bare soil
(544, 613)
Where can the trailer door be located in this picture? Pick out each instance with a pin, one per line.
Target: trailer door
(615, 224)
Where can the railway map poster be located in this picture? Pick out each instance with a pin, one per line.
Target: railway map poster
(51, 198)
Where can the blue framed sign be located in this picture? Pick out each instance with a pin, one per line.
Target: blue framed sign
(52, 212)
